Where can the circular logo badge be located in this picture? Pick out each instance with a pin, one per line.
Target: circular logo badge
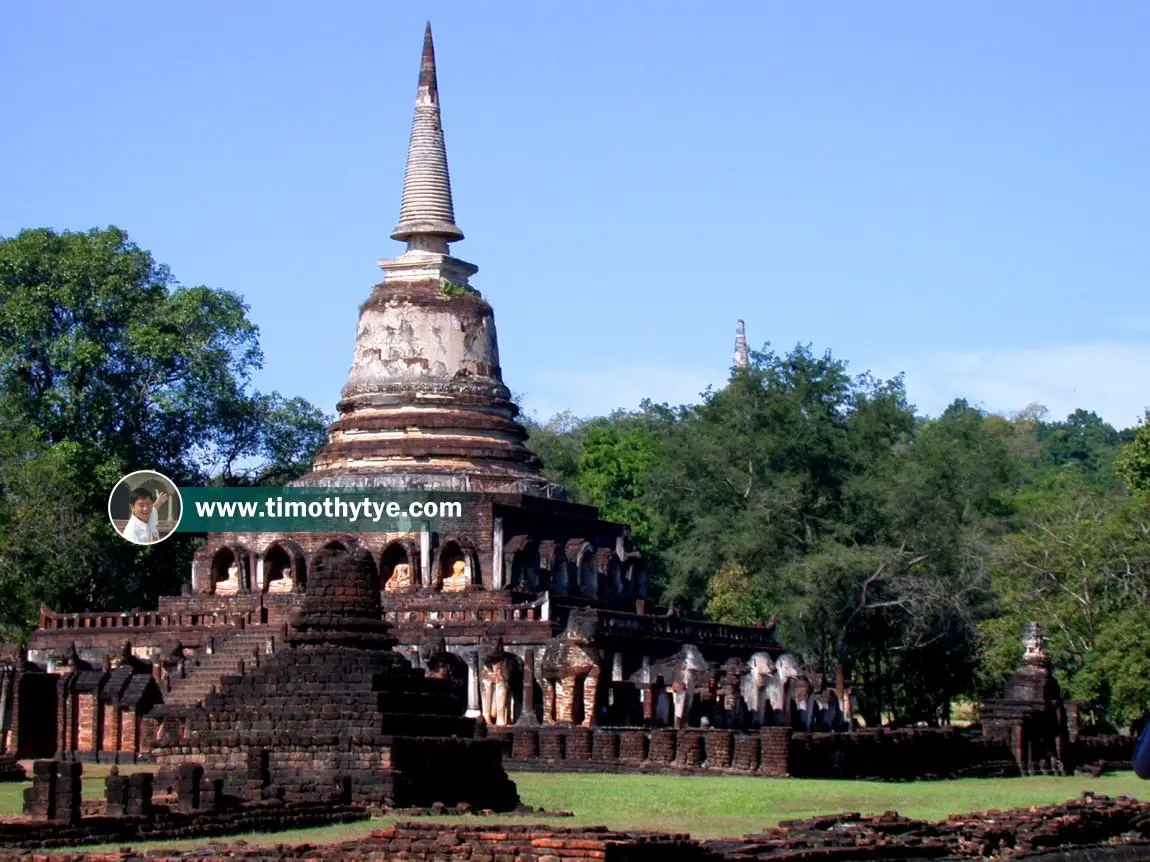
(145, 507)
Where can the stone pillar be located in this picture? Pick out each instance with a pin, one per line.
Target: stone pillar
(775, 751)
(113, 721)
(116, 794)
(497, 554)
(140, 794)
(527, 712)
(69, 792)
(425, 574)
(473, 710)
(40, 798)
(188, 788)
(617, 667)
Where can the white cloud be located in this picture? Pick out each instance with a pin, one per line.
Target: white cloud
(1110, 378)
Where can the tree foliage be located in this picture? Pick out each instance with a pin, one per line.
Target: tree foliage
(1133, 462)
(908, 549)
(107, 366)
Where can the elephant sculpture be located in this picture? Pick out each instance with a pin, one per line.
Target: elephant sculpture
(780, 689)
(756, 686)
(497, 687)
(824, 711)
(570, 677)
(681, 675)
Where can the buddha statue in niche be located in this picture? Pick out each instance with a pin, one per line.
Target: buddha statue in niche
(285, 583)
(402, 578)
(459, 579)
(231, 585)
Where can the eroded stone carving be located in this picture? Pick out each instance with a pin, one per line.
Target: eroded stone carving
(497, 687)
(402, 578)
(285, 583)
(756, 687)
(231, 585)
(459, 579)
(571, 672)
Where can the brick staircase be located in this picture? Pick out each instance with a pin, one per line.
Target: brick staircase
(246, 647)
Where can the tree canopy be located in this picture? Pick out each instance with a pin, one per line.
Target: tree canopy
(909, 549)
(107, 366)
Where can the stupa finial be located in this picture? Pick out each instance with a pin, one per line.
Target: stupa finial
(427, 215)
(742, 356)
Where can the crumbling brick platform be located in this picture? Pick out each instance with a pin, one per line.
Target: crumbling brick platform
(337, 710)
(164, 825)
(1090, 829)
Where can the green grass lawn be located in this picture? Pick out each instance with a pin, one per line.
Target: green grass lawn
(711, 806)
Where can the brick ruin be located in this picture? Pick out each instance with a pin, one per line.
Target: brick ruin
(1089, 828)
(532, 610)
(532, 607)
(1031, 717)
(336, 709)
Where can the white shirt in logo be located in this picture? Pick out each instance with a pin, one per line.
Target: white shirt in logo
(137, 531)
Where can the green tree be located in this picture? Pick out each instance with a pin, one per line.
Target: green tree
(1080, 566)
(734, 596)
(559, 444)
(266, 439)
(108, 366)
(616, 458)
(1133, 463)
(1083, 443)
(753, 475)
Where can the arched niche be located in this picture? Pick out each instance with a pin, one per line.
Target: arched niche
(456, 566)
(553, 559)
(580, 557)
(521, 556)
(610, 570)
(399, 566)
(231, 570)
(284, 567)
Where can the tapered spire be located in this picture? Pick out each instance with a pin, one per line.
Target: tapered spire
(742, 357)
(427, 216)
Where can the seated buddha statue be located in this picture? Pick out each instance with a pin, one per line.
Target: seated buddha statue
(401, 578)
(285, 583)
(458, 580)
(231, 586)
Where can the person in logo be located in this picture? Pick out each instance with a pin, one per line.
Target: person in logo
(1142, 754)
(143, 527)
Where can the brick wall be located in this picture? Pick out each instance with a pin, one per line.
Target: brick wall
(88, 720)
(774, 751)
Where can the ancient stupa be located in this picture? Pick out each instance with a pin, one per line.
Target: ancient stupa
(425, 405)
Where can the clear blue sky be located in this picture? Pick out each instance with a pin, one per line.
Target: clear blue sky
(954, 190)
